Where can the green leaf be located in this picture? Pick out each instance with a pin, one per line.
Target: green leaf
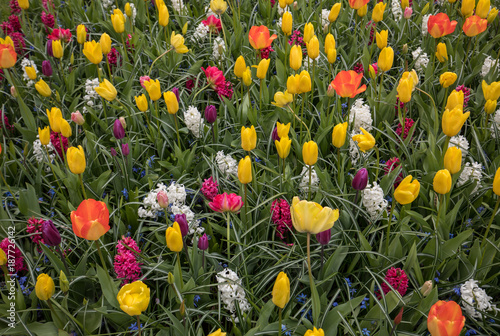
(108, 287)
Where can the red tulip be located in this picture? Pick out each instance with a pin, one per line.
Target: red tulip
(224, 203)
(439, 25)
(474, 25)
(259, 37)
(346, 84)
(91, 219)
(445, 319)
(8, 56)
(357, 4)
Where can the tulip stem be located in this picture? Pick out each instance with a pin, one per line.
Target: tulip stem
(58, 322)
(180, 269)
(177, 131)
(98, 245)
(62, 148)
(297, 117)
(378, 162)
(389, 220)
(260, 96)
(445, 146)
(311, 283)
(302, 116)
(228, 233)
(83, 187)
(139, 325)
(380, 91)
(58, 249)
(338, 160)
(488, 229)
(444, 99)
(156, 59)
(158, 117)
(246, 205)
(310, 178)
(280, 319)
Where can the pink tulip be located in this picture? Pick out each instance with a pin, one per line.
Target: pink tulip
(77, 118)
(224, 203)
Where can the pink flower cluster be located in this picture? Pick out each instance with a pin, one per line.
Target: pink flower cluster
(358, 68)
(56, 142)
(61, 34)
(264, 53)
(113, 58)
(4, 121)
(466, 92)
(281, 217)
(34, 228)
(12, 28)
(392, 164)
(48, 21)
(14, 7)
(397, 278)
(297, 39)
(226, 203)
(217, 81)
(209, 188)
(18, 265)
(408, 124)
(126, 265)
(213, 23)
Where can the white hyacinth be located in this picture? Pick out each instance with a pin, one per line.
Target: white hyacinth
(226, 163)
(421, 59)
(178, 5)
(108, 3)
(425, 18)
(374, 201)
(282, 10)
(489, 62)
(354, 151)
(304, 181)
(176, 193)
(41, 155)
(28, 63)
(201, 33)
(219, 48)
(361, 115)
(134, 12)
(495, 124)
(193, 121)
(471, 172)
(232, 292)
(91, 97)
(279, 22)
(324, 17)
(461, 142)
(150, 206)
(397, 11)
(475, 300)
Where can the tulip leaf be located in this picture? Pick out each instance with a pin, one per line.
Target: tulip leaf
(108, 287)
(54, 259)
(28, 201)
(333, 318)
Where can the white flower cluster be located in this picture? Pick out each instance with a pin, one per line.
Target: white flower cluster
(28, 63)
(219, 48)
(232, 292)
(134, 12)
(208, 10)
(354, 151)
(361, 115)
(108, 3)
(495, 123)
(472, 173)
(193, 120)
(40, 154)
(304, 181)
(282, 10)
(489, 62)
(91, 98)
(279, 22)
(374, 201)
(176, 194)
(461, 142)
(421, 59)
(324, 17)
(397, 11)
(425, 18)
(226, 163)
(200, 33)
(475, 300)
(178, 5)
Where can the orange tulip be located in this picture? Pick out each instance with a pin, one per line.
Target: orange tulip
(91, 219)
(357, 4)
(445, 319)
(259, 37)
(439, 25)
(346, 84)
(474, 25)
(8, 56)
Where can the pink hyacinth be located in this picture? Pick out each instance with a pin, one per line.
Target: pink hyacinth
(280, 216)
(14, 7)
(397, 278)
(392, 164)
(19, 43)
(126, 265)
(297, 39)
(34, 228)
(11, 251)
(358, 68)
(61, 34)
(56, 142)
(46, 3)
(226, 203)
(113, 58)
(15, 23)
(48, 20)
(225, 90)
(264, 53)
(408, 124)
(399, 105)
(209, 188)
(466, 92)
(372, 26)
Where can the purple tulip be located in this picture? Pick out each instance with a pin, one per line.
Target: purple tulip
(203, 242)
(50, 234)
(125, 149)
(360, 180)
(113, 152)
(183, 224)
(176, 93)
(211, 114)
(324, 237)
(49, 48)
(118, 130)
(46, 68)
(275, 135)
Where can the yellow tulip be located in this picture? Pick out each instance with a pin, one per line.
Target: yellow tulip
(248, 138)
(334, 12)
(453, 121)
(76, 160)
(405, 4)
(362, 11)
(441, 52)
(118, 21)
(239, 67)
(31, 72)
(106, 90)
(8, 41)
(141, 102)
(55, 116)
(163, 15)
(283, 129)
(153, 88)
(453, 160)
(282, 3)
(128, 10)
(407, 191)
(492, 91)
(287, 23)
(308, 32)
(366, 141)
(63, 282)
(105, 42)
(311, 217)
(442, 182)
(65, 128)
(218, 6)
(93, 51)
(492, 15)
(282, 99)
(385, 59)
(378, 12)
(330, 51)
(482, 9)
(262, 68)
(496, 183)
(245, 170)
(134, 298)
(283, 146)
(455, 100)
(44, 287)
(57, 49)
(404, 90)
(171, 101)
(313, 47)
(173, 236)
(447, 79)
(218, 333)
(3, 258)
(467, 7)
(315, 332)
(247, 77)
(381, 38)
(411, 75)
(44, 135)
(81, 34)
(293, 84)
(490, 106)
(304, 82)
(339, 134)
(281, 290)
(43, 88)
(296, 57)
(177, 41)
(24, 4)
(310, 153)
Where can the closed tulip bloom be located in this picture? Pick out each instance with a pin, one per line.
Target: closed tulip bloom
(81, 34)
(118, 21)
(239, 67)
(106, 90)
(439, 25)
(50, 234)
(287, 23)
(405, 4)
(55, 116)
(347, 84)
(283, 146)
(133, 298)
(314, 331)
(407, 191)
(283, 129)
(203, 242)
(128, 10)
(44, 287)
(442, 182)
(183, 224)
(311, 217)
(218, 332)
(118, 130)
(65, 128)
(226, 203)
(385, 59)
(445, 319)
(474, 25)
(492, 91)
(31, 72)
(324, 237)
(141, 102)
(76, 159)
(365, 141)
(453, 121)
(163, 15)
(339, 134)
(447, 79)
(330, 48)
(490, 106)
(57, 50)
(381, 38)
(46, 68)
(296, 57)
(173, 236)
(492, 15)
(153, 88)
(281, 290)
(482, 8)
(362, 11)
(259, 37)
(496, 183)
(44, 135)
(262, 68)
(441, 52)
(357, 4)
(24, 4)
(218, 6)
(293, 84)
(211, 114)
(455, 100)
(404, 90)
(378, 12)
(334, 12)
(93, 51)
(171, 101)
(304, 82)
(453, 160)
(467, 7)
(313, 47)
(248, 138)
(282, 99)
(310, 153)
(245, 170)
(77, 118)
(3, 258)
(247, 77)
(360, 180)
(177, 41)
(43, 88)
(105, 43)
(308, 32)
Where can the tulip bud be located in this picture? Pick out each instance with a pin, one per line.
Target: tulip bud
(275, 135)
(50, 234)
(203, 242)
(324, 237)
(77, 118)
(245, 170)
(49, 48)
(330, 92)
(310, 153)
(426, 288)
(182, 308)
(286, 23)
(496, 183)
(183, 224)
(170, 278)
(113, 152)
(360, 179)
(13, 91)
(442, 182)
(123, 122)
(118, 130)
(371, 72)
(46, 68)
(453, 159)
(426, 8)
(295, 5)
(408, 12)
(399, 317)
(211, 114)
(405, 48)
(63, 282)
(492, 15)
(128, 10)
(490, 106)
(162, 199)
(125, 149)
